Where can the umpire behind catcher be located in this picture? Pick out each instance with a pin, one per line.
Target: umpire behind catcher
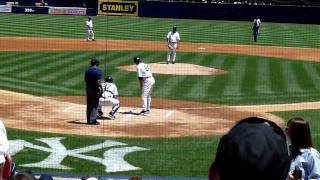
(93, 77)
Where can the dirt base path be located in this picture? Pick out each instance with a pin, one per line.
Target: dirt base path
(169, 118)
(58, 44)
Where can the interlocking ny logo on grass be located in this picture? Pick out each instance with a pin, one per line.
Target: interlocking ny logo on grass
(113, 158)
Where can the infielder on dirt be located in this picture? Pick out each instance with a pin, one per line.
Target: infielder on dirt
(147, 82)
(109, 97)
(173, 39)
(89, 26)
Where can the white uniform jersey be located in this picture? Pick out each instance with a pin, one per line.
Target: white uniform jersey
(109, 90)
(257, 22)
(89, 24)
(173, 37)
(143, 70)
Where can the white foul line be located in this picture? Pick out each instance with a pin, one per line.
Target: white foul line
(216, 107)
(169, 114)
(67, 109)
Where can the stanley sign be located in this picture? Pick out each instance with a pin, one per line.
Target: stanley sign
(118, 7)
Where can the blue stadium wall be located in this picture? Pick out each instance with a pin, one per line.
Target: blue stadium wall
(184, 10)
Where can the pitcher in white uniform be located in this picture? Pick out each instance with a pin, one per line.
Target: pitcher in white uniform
(146, 84)
(89, 26)
(173, 39)
(109, 97)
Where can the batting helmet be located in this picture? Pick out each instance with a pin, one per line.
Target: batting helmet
(109, 79)
(136, 59)
(94, 61)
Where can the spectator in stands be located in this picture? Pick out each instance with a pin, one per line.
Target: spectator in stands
(23, 176)
(305, 162)
(254, 149)
(135, 178)
(42, 3)
(45, 177)
(4, 147)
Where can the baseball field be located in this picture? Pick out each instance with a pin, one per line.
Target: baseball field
(220, 77)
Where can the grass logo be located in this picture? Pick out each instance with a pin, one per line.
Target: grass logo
(113, 158)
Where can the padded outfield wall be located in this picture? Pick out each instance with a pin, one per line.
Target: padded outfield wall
(184, 10)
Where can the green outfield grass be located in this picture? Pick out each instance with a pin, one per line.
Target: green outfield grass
(251, 80)
(232, 32)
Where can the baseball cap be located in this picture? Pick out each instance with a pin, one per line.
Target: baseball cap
(255, 148)
(94, 61)
(136, 59)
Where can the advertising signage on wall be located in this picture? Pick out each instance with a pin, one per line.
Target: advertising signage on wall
(30, 9)
(5, 9)
(68, 10)
(118, 7)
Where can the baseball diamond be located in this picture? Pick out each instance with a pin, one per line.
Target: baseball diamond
(217, 75)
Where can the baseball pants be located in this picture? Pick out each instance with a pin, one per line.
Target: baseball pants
(92, 106)
(109, 101)
(90, 34)
(147, 88)
(171, 56)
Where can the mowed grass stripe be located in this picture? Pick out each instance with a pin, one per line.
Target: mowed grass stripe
(217, 83)
(51, 62)
(22, 61)
(80, 67)
(263, 83)
(21, 84)
(249, 80)
(300, 73)
(53, 76)
(4, 57)
(277, 77)
(181, 83)
(291, 79)
(109, 62)
(33, 66)
(198, 88)
(312, 73)
(231, 81)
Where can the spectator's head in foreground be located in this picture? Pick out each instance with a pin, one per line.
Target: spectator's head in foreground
(254, 149)
(23, 176)
(135, 178)
(299, 133)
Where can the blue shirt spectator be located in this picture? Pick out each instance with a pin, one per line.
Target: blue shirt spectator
(309, 163)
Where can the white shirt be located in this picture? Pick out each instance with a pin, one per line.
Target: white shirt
(89, 24)
(309, 162)
(173, 37)
(257, 22)
(109, 90)
(143, 70)
(4, 143)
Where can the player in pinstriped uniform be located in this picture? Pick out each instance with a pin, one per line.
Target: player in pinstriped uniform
(173, 39)
(147, 82)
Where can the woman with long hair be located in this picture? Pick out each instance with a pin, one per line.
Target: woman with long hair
(305, 162)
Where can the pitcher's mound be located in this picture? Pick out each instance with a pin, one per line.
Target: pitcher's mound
(177, 69)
